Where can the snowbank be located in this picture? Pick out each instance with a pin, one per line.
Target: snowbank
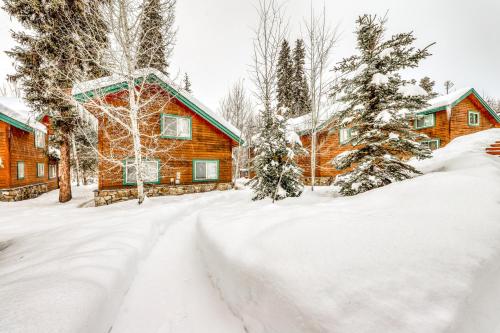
(417, 256)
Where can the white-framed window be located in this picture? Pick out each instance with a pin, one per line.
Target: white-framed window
(424, 121)
(205, 170)
(175, 127)
(150, 172)
(473, 118)
(20, 170)
(345, 135)
(40, 169)
(432, 143)
(52, 171)
(39, 139)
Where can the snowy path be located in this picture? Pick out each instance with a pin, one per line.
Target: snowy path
(172, 291)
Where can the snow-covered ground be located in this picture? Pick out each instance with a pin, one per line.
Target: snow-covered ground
(418, 256)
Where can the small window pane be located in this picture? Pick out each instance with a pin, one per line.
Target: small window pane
(183, 127)
(130, 171)
(40, 169)
(52, 171)
(169, 126)
(39, 139)
(20, 170)
(201, 170)
(473, 118)
(345, 135)
(211, 170)
(150, 171)
(425, 121)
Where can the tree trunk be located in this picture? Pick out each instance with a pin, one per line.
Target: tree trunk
(75, 156)
(313, 159)
(65, 170)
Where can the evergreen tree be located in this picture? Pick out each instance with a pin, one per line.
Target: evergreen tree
(277, 174)
(301, 104)
(284, 74)
(49, 59)
(157, 34)
(428, 85)
(377, 103)
(187, 83)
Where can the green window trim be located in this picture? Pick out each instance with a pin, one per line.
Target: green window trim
(207, 179)
(124, 172)
(349, 135)
(433, 115)
(24, 170)
(42, 173)
(478, 118)
(167, 115)
(429, 142)
(37, 134)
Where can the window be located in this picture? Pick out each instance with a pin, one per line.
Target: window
(52, 171)
(432, 144)
(205, 170)
(473, 118)
(150, 172)
(175, 127)
(424, 121)
(40, 169)
(20, 170)
(39, 139)
(345, 135)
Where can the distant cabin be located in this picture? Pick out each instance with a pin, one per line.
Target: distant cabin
(26, 171)
(195, 144)
(447, 117)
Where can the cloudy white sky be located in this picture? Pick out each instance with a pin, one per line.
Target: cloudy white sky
(214, 41)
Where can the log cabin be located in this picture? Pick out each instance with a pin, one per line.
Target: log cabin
(187, 147)
(459, 113)
(26, 170)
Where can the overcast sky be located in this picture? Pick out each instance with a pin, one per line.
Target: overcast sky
(214, 41)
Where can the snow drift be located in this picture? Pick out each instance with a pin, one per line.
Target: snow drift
(416, 256)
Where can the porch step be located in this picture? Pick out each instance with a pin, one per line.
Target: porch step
(494, 149)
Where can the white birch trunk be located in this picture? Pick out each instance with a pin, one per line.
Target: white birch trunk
(77, 162)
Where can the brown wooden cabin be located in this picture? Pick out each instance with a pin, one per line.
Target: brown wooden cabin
(459, 113)
(26, 171)
(195, 143)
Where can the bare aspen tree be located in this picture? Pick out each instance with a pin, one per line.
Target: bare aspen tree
(320, 41)
(236, 108)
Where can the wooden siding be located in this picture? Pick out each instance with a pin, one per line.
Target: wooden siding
(329, 145)
(207, 142)
(4, 155)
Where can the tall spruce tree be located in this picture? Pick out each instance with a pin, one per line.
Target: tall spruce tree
(428, 85)
(301, 104)
(377, 104)
(284, 74)
(49, 60)
(157, 34)
(277, 174)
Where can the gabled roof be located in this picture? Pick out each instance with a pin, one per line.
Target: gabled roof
(114, 83)
(452, 99)
(15, 112)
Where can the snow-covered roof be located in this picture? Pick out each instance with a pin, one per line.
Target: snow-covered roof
(303, 123)
(87, 90)
(14, 111)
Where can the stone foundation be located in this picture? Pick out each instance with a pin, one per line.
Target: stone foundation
(23, 192)
(107, 197)
(320, 181)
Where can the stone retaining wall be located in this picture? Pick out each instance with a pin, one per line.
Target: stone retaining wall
(107, 197)
(23, 192)
(320, 181)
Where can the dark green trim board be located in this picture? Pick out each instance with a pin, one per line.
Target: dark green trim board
(16, 123)
(167, 115)
(205, 180)
(153, 79)
(124, 172)
(24, 170)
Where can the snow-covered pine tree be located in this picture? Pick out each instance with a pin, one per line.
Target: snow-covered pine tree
(378, 102)
(301, 104)
(428, 85)
(187, 83)
(284, 74)
(49, 59)
(277, 174)
(157, 34)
